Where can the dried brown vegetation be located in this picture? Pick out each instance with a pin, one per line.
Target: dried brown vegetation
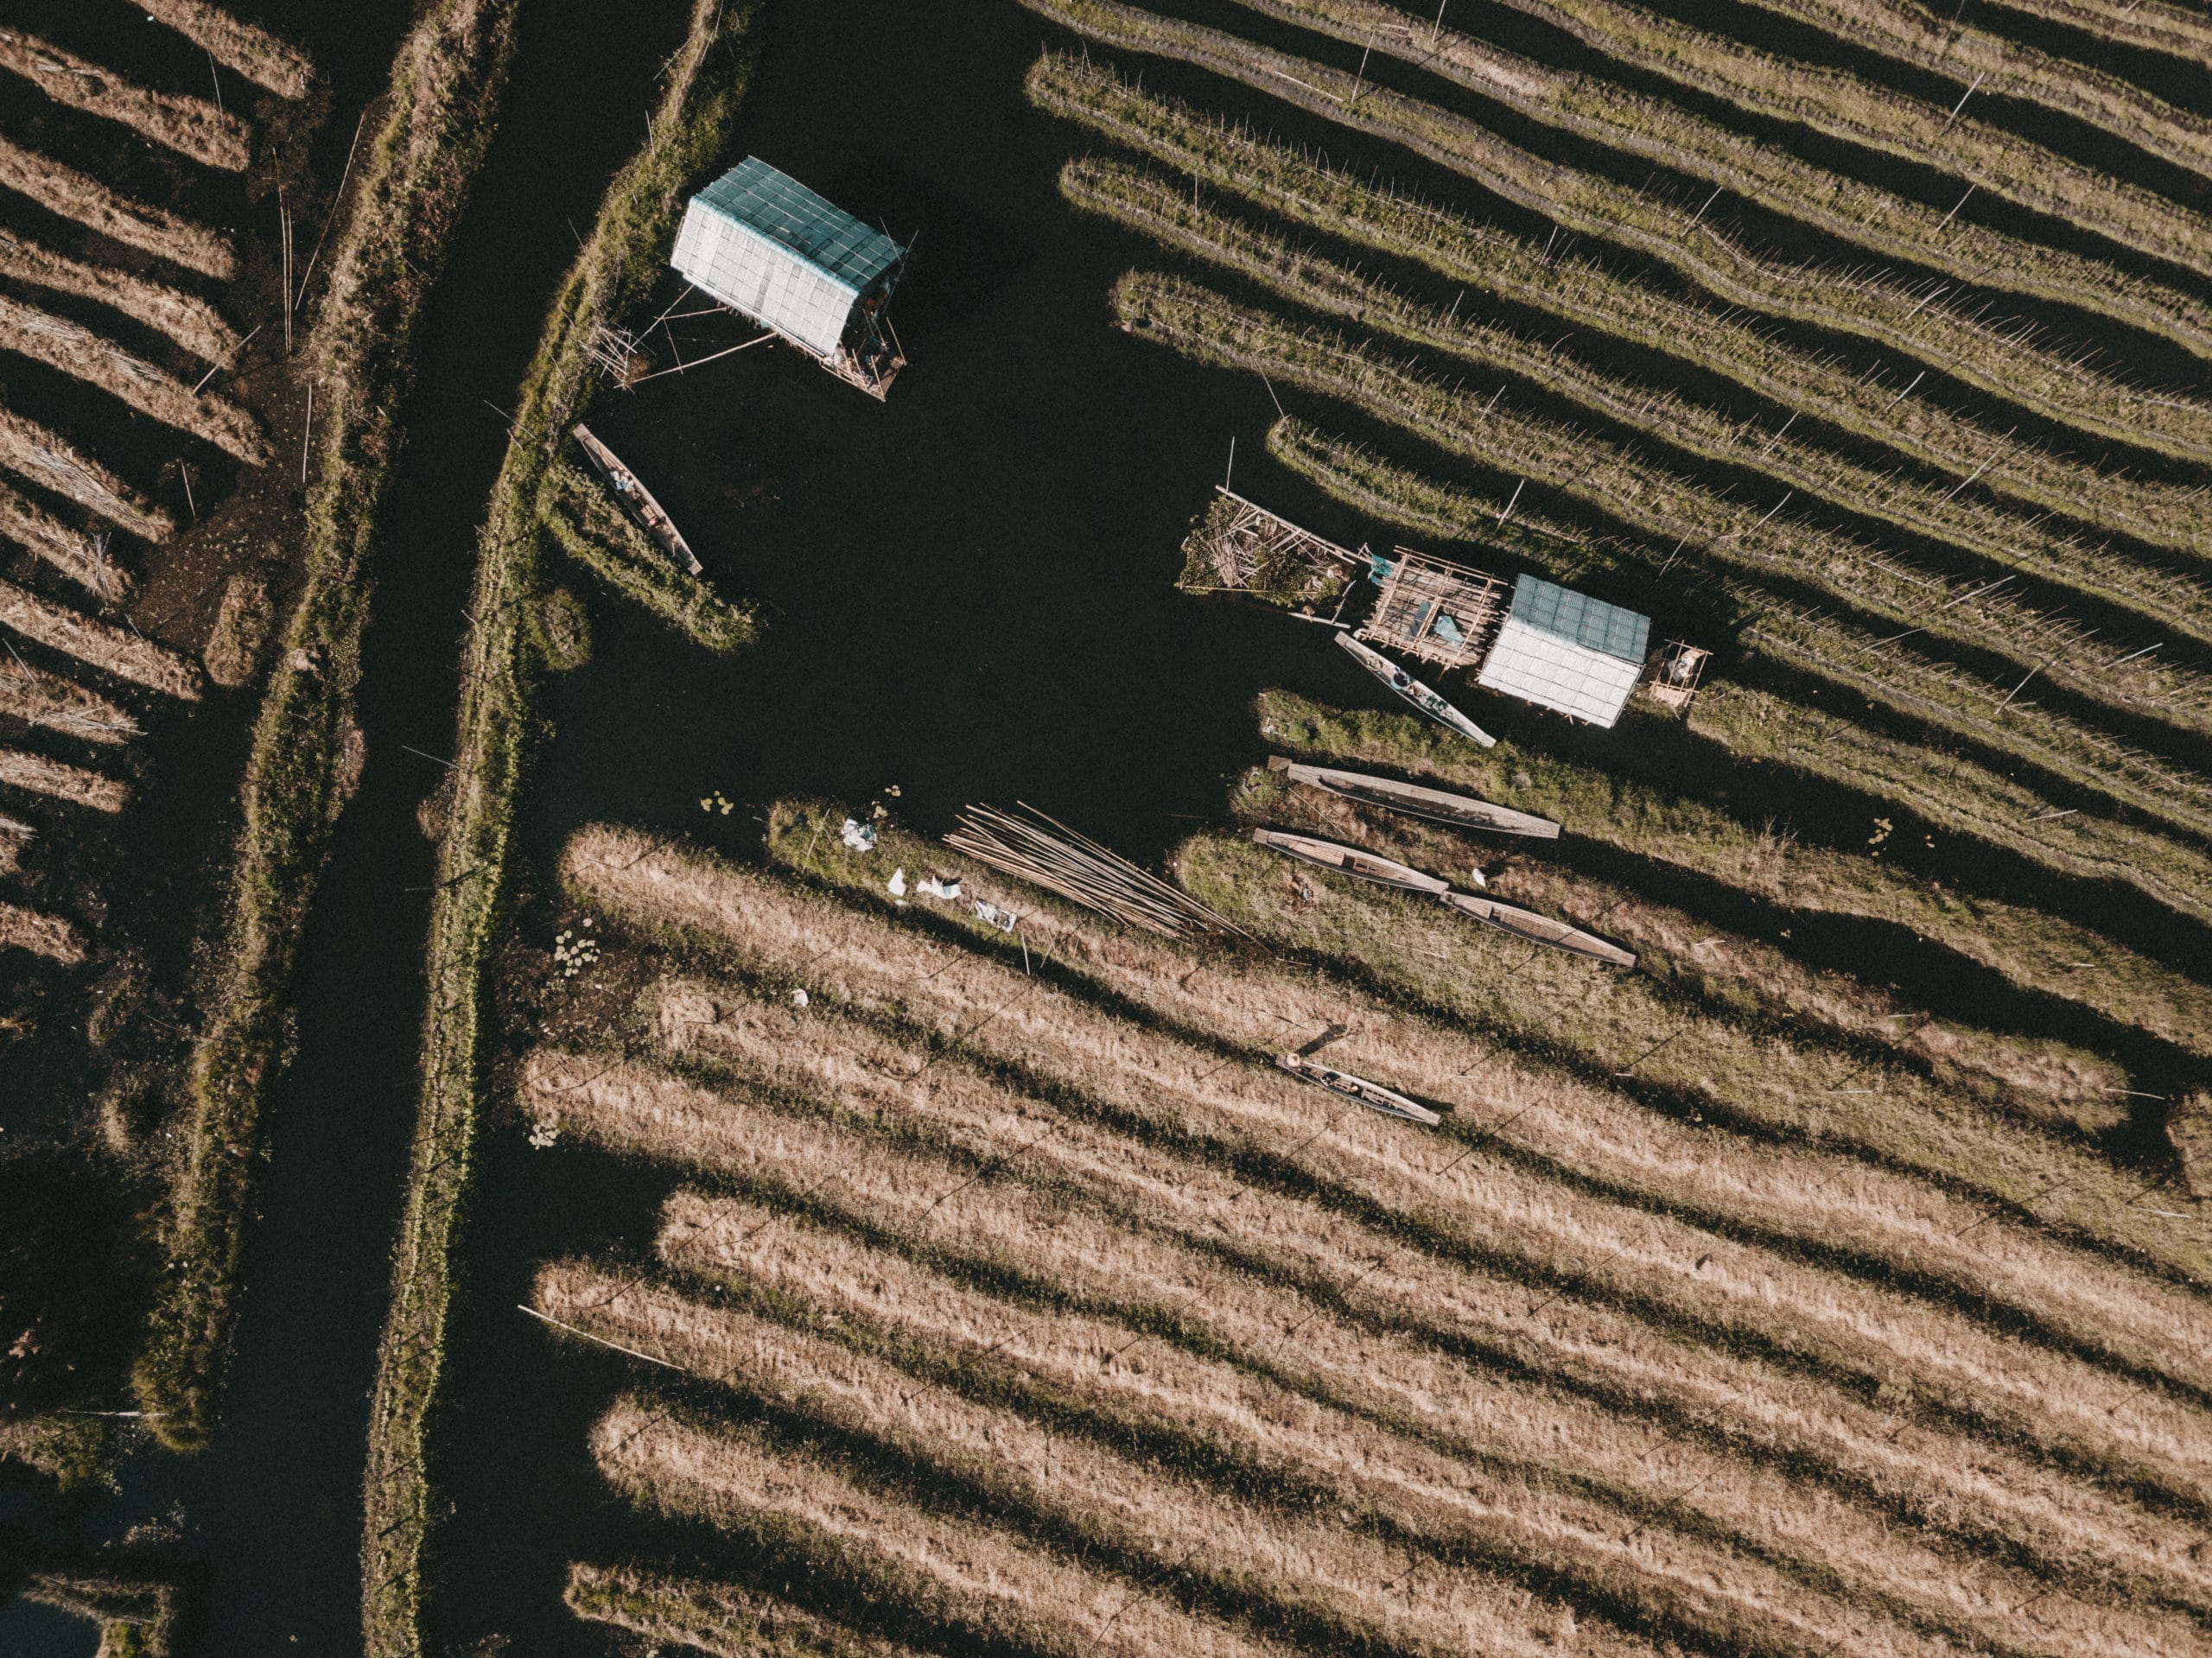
(120, 652)
(964, 1573)
(241, 632)
(72, 196)
(189, 321)
(273, 64)
(40, 934)
(727, 1619)
(72, 349)
(1488, 1204)
(30, 451)
(40, 698)
(1121, 1505)
(72, 552)
(61, 781)
(191, 126)
(1977, 1492)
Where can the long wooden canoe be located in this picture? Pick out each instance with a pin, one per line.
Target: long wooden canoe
(1464, 811)
(1415, 692)
(1373, 1096)
(1538, 929)
(1352, 860)
(637, 501)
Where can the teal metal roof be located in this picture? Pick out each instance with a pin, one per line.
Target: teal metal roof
(1580, 619)
(774, 204)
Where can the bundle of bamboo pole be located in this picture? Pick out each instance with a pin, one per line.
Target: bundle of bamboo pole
(1047, 853)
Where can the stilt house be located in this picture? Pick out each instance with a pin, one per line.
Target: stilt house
(769, 248)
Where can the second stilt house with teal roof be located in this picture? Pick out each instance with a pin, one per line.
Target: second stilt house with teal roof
(772, 250)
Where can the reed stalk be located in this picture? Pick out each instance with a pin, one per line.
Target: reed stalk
(32, 452)
(1635, 1363)
(1663, 504)
(983, 1581)
(1884, 222)
(1297, 188)
(85, 201)
(70, 349)
(274, 65)
(191, 126)
(1999, 538)
(1167, 1085)
(1999, 357)
(1994, 66)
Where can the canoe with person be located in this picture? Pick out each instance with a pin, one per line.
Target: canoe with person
(1415, 692)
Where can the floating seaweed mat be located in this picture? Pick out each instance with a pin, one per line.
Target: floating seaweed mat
(1044, 851)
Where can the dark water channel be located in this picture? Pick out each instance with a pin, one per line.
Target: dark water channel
(969, 595)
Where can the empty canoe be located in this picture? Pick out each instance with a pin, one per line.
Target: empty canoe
(1352, 860)
(1415, 692)
(1538, 929)
(1373, 1096)
(1464, 811)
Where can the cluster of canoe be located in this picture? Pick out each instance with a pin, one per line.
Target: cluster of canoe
(1465, 811)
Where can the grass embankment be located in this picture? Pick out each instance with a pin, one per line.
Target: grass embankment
(137, 1617)
(191, 126)
(1301, 188)
(72, 349)
(1735, 976)
(1949, 790)
(30, 450)
(2153, 28)
(2035, 951)
(591, 530)
(1864, 215)
(274, 65)
(2003, 361)
(1997, 68)
(728, 1619)
(85, 201)
(415, 179)
(186, 319)
(69, 552)
(704, 82)
(1997, 537)
(1665, 506)
(791, 1090)
(1840, 104)
(1579, 1171)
